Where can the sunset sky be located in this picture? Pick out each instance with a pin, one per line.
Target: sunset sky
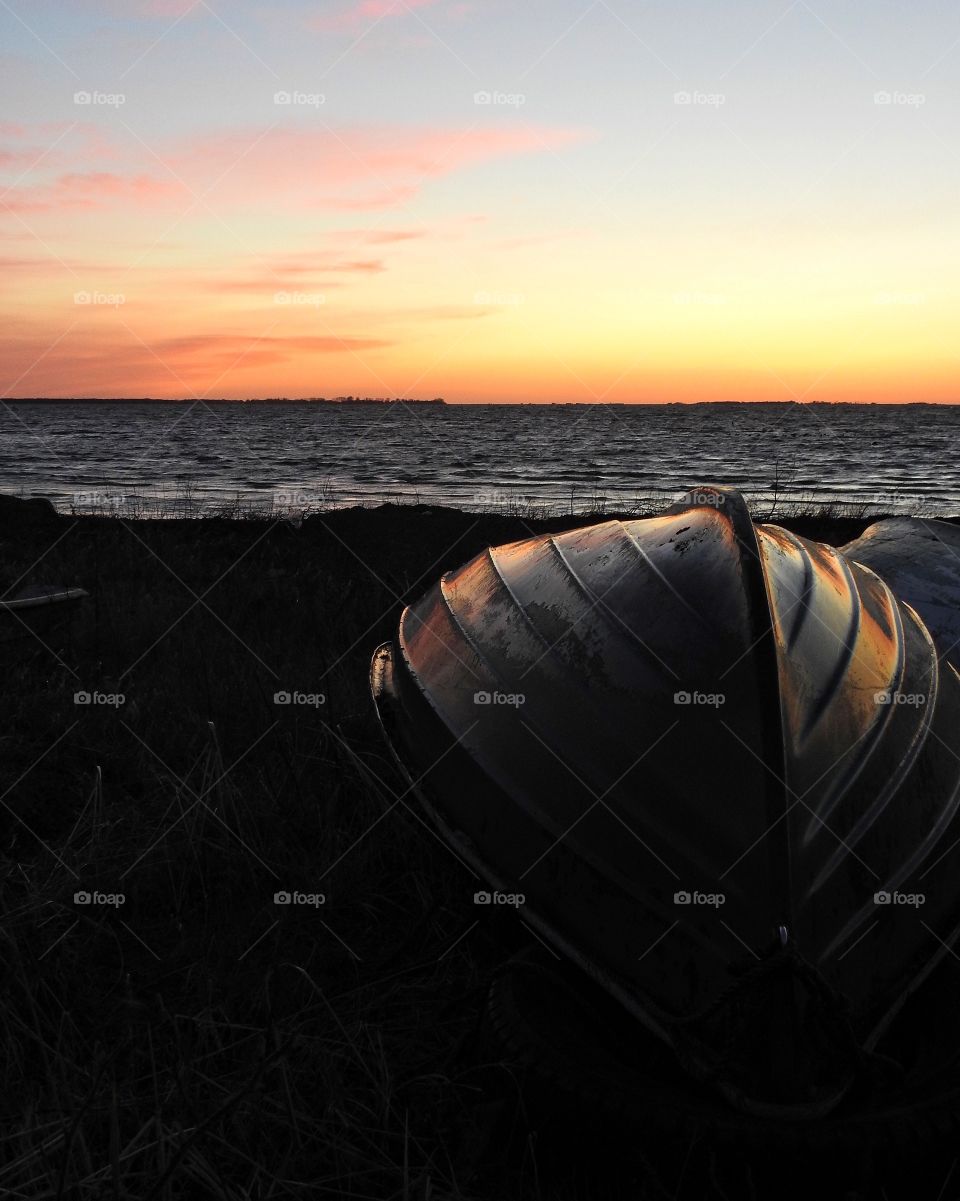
(542, 200)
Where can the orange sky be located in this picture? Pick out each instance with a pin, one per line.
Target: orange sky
(458, 200)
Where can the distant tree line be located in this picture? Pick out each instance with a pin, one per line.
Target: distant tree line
(362, 400)
(320, 400)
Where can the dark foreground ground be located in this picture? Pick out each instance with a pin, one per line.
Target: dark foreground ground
(199, 1040)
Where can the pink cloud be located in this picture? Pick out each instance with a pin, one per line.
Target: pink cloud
(215, 349)
(41, 134)
(383, 236)
(55, 146)
(386, 198)
(364, 168)
(263, 285)
(365, 12)
(298, 273)
(17, 158)
(47, 266)
(80, 190)
(286, 168)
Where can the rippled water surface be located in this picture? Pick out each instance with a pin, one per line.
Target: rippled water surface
(181, 457)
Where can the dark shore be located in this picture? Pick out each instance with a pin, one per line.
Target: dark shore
(199, 1040)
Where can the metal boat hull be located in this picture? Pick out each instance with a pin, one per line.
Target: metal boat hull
(919, 558)
(685, 742)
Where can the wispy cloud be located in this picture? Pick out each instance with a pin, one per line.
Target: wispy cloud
(354, 17)
(225, 347)
(359, 169)
(384, 236)
(91, 190)
(297, 272)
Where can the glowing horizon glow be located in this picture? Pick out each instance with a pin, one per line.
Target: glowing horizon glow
(572, 202)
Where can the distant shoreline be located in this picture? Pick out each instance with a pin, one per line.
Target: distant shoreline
(348, 402)
(333, 401)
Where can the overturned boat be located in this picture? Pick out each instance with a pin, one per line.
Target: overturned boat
(919, 558)
(716, 760)
(37, 609)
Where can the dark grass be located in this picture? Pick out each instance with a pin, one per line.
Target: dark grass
(199, 1040)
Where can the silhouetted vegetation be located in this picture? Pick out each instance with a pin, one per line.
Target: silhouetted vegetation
(199, 1040)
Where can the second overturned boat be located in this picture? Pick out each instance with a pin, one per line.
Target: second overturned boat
(35, 608)
(716, 761)
(919, 558)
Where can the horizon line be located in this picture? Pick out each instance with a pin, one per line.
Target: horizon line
(350, 402)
